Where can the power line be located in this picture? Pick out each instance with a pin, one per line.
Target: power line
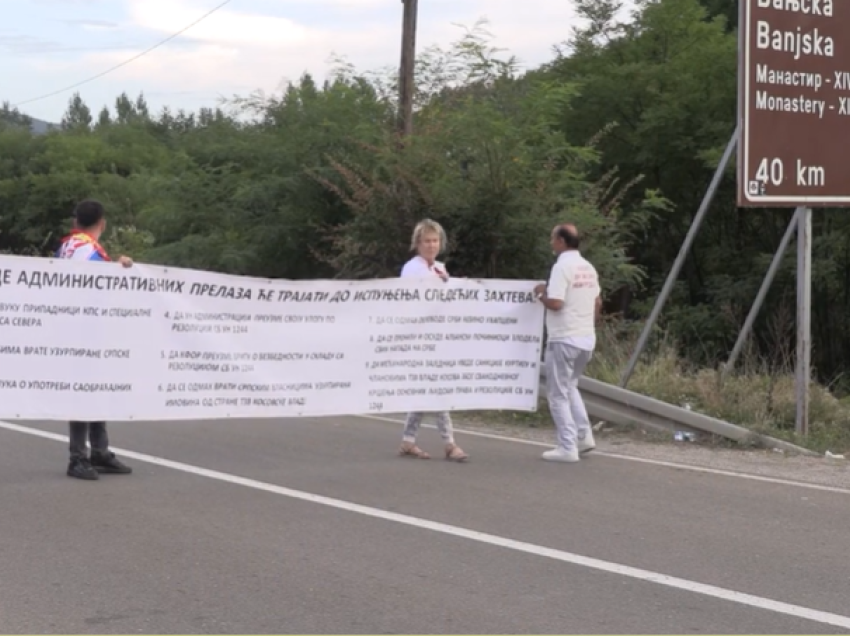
(126, 62)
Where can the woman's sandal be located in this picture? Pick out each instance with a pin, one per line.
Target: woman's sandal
(455, 453)
(412, 450)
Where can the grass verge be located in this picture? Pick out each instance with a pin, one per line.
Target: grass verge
(756, 397)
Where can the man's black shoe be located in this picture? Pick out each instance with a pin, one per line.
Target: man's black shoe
(109, 463)
(82, 469)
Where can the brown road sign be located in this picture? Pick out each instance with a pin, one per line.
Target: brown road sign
(794, 103)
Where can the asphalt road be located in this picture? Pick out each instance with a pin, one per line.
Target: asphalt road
(297, 526)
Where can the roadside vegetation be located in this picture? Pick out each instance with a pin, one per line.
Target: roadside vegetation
(760, 395)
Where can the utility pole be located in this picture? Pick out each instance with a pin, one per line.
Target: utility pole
(406, 82)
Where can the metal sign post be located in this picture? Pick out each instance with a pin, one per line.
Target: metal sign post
(762, 294)
(794, 114)
(804, 318)
(680, 260)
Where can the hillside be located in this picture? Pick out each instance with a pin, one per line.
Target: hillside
(12, 116)
(40, 127)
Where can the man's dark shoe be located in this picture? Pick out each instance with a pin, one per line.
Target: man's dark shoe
(110, 464)
(82, 469)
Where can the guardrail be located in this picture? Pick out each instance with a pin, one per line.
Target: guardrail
(620, 406)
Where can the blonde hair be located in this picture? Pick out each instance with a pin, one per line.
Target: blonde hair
(426, 226)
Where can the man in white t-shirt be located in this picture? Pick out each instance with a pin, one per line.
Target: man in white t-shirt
(573, 304)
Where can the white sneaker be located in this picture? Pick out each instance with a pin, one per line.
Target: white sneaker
(586, 443)
(561, 455)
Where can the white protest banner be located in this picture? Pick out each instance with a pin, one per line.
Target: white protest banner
(94, 341)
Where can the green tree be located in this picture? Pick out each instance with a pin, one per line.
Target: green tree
(489, 161)
(77, 117)
(666, 80)
(11, 116)
(125, 110)
(104, 118)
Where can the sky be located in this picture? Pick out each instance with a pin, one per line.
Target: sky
(47, 45)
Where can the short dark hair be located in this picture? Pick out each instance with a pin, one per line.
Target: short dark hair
(570, 238)
(88, 213)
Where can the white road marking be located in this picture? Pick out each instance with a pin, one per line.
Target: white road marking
(639, 460)
(686, 585)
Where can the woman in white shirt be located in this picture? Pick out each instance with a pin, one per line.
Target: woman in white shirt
(428, 241)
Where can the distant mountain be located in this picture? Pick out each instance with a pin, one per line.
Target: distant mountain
(11, 116)
(40, 127)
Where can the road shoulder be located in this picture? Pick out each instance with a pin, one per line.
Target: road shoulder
(820, 471)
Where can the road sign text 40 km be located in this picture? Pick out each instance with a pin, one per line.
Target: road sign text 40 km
(771, 172)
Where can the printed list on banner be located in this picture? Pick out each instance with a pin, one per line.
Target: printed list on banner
(88, 341)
